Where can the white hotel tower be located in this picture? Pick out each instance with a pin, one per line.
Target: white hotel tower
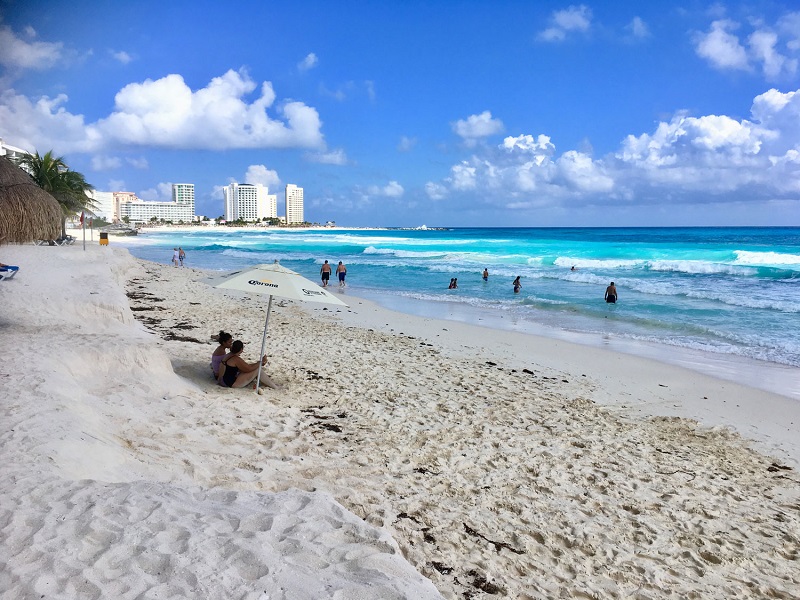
(249, 202)
(294, 204)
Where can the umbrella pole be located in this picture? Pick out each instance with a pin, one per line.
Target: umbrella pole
(263, 343)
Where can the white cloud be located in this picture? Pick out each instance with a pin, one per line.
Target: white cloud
(475, 127)
(16, 53)
(530, 144)
(435, 191)
(161, 192)
(166, 113)
(774, 50)
(122, 56)
(789, 26)
(334, 157)
(263, 175)
(309, 62)
(116, 185)
(390, 190)
(406, 144)
(370, 87)
(105, 163)
(579, 171)
(685, 159)
(721, 47)
(572, 19)
(762, 45)
(463, 176)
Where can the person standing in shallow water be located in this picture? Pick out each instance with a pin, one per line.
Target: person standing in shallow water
(341, 271)
(611, 294)
(517, 285)
(486, 274)
(181, 255)
(325, 272)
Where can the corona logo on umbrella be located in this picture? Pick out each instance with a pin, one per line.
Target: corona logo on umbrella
(265, 282)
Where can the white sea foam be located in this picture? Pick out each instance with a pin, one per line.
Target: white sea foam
(698, 267)
(767, 259)
(592, 263)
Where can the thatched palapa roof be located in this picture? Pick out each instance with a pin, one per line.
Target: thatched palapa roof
(27, 212)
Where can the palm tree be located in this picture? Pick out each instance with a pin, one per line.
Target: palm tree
(68, 187)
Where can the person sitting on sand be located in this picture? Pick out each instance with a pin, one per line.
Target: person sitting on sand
(234, 372)
(611, 294)
(225, 341)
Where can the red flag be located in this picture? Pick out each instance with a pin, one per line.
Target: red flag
(81, 217)
(90, 222)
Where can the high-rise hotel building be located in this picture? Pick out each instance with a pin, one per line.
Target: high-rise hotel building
(294, 204)
(249, 202)
(181, 209)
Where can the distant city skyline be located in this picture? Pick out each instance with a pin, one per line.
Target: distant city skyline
(401, 114)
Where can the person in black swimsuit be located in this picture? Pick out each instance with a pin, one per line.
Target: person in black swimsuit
(611, 294)
(237, 373)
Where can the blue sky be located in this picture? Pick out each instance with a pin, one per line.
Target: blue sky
(409, 113)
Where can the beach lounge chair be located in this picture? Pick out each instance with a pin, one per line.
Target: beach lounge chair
(7, 272)
(65, 241)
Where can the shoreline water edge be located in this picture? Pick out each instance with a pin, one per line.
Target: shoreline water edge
(403, 456)
(721, 301)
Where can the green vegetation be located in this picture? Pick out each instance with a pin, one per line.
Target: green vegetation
(68, 187)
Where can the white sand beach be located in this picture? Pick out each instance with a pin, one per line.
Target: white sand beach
(403, 457)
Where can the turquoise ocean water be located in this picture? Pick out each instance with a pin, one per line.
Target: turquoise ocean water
(722, 293)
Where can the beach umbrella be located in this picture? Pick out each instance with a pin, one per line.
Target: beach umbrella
(276, 280)
(27, 212)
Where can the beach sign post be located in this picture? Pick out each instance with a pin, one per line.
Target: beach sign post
(276, 280)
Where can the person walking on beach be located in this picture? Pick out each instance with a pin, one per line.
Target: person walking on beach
(341, 270)
(611, 294)
(486, 274)
(325, 272)
(517, 285)
(181, 255)
(175, 256)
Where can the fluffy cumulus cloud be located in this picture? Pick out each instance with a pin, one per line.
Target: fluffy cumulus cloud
(20, 53)
(476, 127)
(263, 175)
(167, 113)
(44, 123)
(774, 50)
(563, 22)
(707, 158)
